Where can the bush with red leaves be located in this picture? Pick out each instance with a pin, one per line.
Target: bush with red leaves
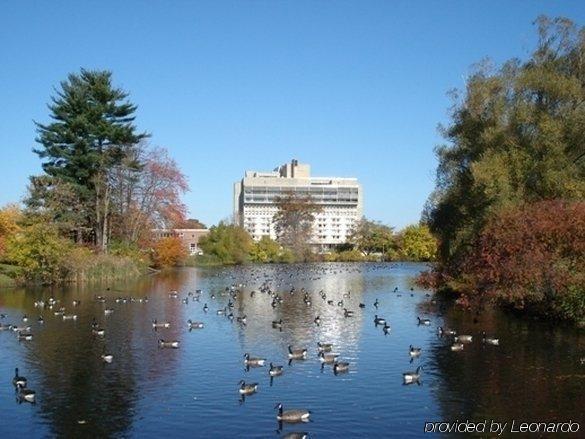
(532, 257)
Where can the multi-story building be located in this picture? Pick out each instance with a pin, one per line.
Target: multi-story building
(340, 199)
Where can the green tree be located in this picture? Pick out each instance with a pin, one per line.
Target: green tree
(293, 222)
(268, 250)
(372, 237)
(229, 243)
(416, 243)
(515, 136)
(92, 133)
(40, 252)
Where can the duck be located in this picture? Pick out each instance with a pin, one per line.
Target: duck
(490, 340)
(296, 354)
(107, 358)
(456, 347)
(158, 325)
(27, 395)
(464, 338)
(252, 361)
(247, 389)
(194, 325)
(414, 352)
(412, 377)
(275, 370)
(379, 320)
(340, 366)
(324, 347)
(299, 415)
(168, 344)
(18, 381)
(425, 322)
(327, 358)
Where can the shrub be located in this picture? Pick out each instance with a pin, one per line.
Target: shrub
(169, 252)
(416, 243)
(532, 258)
(229, 243)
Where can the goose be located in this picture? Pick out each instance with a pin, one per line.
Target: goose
(205, 308)
(41, 320)
(158, 325)
(174, 294)
(292, 415)
(444, 331)
(76, 302)
(275, 370)
(324, 347)
(221, 312)
(347, 312)
(296, 435)
(425, 322)
(317, 320)
(490, 340)
(464, 338)
(27, 395)
(456, 347)
(412, 377)
(277, 323)
(18, 381)
(362, 305)
(69, 316)
(376, 304)
(340, 366)
(296, 354)
(26, 336)
(97, 330)
(20, 328)
(247, 389)
(194, 325)
(327, 358)
(386, 329)
(414, 352)
(25, 318)
(168, 344)
(107, 358)
(4, 327)
(2, 316)
(251, 361)
(108, 311)
(379, 320)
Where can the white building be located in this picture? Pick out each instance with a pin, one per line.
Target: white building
(340, 199)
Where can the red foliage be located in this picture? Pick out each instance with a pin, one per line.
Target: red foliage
(533, 255)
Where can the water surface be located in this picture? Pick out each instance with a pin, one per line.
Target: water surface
(535, 373)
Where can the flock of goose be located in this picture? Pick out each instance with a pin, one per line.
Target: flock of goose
(324, 349)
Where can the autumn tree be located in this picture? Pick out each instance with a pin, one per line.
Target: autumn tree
(372, 237)
(416, 243)
(9, 217)
(169, 252)
(294, 221)
(91, 133)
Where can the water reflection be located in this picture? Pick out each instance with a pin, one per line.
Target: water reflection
(193, 390)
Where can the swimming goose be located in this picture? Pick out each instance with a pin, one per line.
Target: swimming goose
(25, 318)
(26, 336)
(76, 302)
(158, 325)
(292, 415)
(296, 354)
(386, 329)
(20, 328)
(194, 325)
(251, 361)
(379, 320)
(317, 320)
(412, 377)
(464, 338)
(205, 308)
(414, 352)
(277, 323)
(69, 316)
(324, 347)
(247, 389)
(444, 331)
(168, 344)
(18, 381)
(425, 322)
(296, 435)
(41, 320)
(340, 366)
(490, 340)
(108, 311)
(27, 395)
(275, 370)
(456, 347)
(327, 358)
(347, 312)
(107, 358)
(376, 304)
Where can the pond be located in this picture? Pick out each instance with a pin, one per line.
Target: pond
(534, 374)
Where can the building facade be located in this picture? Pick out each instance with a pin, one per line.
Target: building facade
(340, 199)
(189, 237)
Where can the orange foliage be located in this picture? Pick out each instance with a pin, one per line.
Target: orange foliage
(169, 252)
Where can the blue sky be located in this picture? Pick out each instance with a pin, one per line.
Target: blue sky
(355, 88)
